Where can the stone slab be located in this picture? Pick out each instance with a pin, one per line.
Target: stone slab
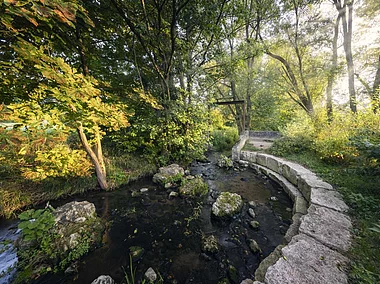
(293, 228)
(261, 159)
(328, 198)
(291, 171)
(248, 156)
(308, 181)
(300, 205)
(307, 261)
(267, 262)
(327, 226)
(275, 164)
(291, 190)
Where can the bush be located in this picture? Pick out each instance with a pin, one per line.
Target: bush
(332, 141)
(298, 137)
(224, 139)
(60, 161)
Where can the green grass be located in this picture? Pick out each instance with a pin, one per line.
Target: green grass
(362, 194)
(17, 193)
(250, 147)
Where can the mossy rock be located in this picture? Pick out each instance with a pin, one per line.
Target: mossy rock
(227, 205)
(169, 175)
(72, 231)
(193, 187)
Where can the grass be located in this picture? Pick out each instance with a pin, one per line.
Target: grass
(17, 193)
(361, 192)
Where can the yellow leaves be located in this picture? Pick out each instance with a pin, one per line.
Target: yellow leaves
(60, 161)
(148, 98)
(22, 151)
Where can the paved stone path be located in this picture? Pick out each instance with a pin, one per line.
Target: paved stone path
(316, 242)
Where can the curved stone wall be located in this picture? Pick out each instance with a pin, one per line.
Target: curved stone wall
(320, 233)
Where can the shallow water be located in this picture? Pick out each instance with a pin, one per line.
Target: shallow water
(170, 233)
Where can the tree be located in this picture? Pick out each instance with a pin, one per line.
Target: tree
(300, 69)
(81, 105)
(345, 10)
(333, 70)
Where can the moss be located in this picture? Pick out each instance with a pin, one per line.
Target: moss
(193, 187)
(48, 249)
(227, 204)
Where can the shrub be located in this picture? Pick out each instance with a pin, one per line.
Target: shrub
(224, 139)
(60, 161)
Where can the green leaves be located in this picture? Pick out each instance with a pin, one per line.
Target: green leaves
(35, 223)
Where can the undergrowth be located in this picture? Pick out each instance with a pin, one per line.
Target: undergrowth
(17, 193)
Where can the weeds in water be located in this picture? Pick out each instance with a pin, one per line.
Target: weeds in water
(130, 276)
(196, 213)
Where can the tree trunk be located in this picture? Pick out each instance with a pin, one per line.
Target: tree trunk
(239, 117)
(332, 73)
(304, 101)
(376, 89)
(96, 155)
(97, 161)
(347, 39)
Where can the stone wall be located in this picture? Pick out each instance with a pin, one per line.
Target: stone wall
(264, 134)
(316, 241)
(239, 145)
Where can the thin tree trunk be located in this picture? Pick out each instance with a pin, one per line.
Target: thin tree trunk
(96, 155)
(332, 73)
(376, 89)
(100, 172)
(347, 39)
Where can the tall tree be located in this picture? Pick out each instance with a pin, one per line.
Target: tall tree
(345, 10)
(333, 70)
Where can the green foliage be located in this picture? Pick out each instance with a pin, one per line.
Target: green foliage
(224, 139)
(375, 228)
(193, 187)
(179, 133)
(35, 224)
(41, 248)
(225, 162)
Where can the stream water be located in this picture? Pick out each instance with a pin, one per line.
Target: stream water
(170, 230)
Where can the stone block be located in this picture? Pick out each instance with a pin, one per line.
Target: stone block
(327, 226)
(291, 190)
(307, 261)
(248, 156)
(261, 159)
(291, 171)
(328, 198)
(293, 228)
(267, 262)
(300, 205)
(275, 177)
(275, 164)
(307, 181)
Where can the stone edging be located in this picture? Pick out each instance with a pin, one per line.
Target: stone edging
(319, 234)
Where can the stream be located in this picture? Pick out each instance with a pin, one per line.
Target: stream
(170, 231)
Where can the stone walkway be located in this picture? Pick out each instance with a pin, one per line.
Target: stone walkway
(320, 235)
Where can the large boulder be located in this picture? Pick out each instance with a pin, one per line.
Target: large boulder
(75, 221)
(227, 204)
(53, 239)
(169, 174)
(193, 187)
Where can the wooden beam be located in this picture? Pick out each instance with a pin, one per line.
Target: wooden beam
(230, 102)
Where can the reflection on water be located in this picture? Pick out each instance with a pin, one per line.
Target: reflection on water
(171, 236)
